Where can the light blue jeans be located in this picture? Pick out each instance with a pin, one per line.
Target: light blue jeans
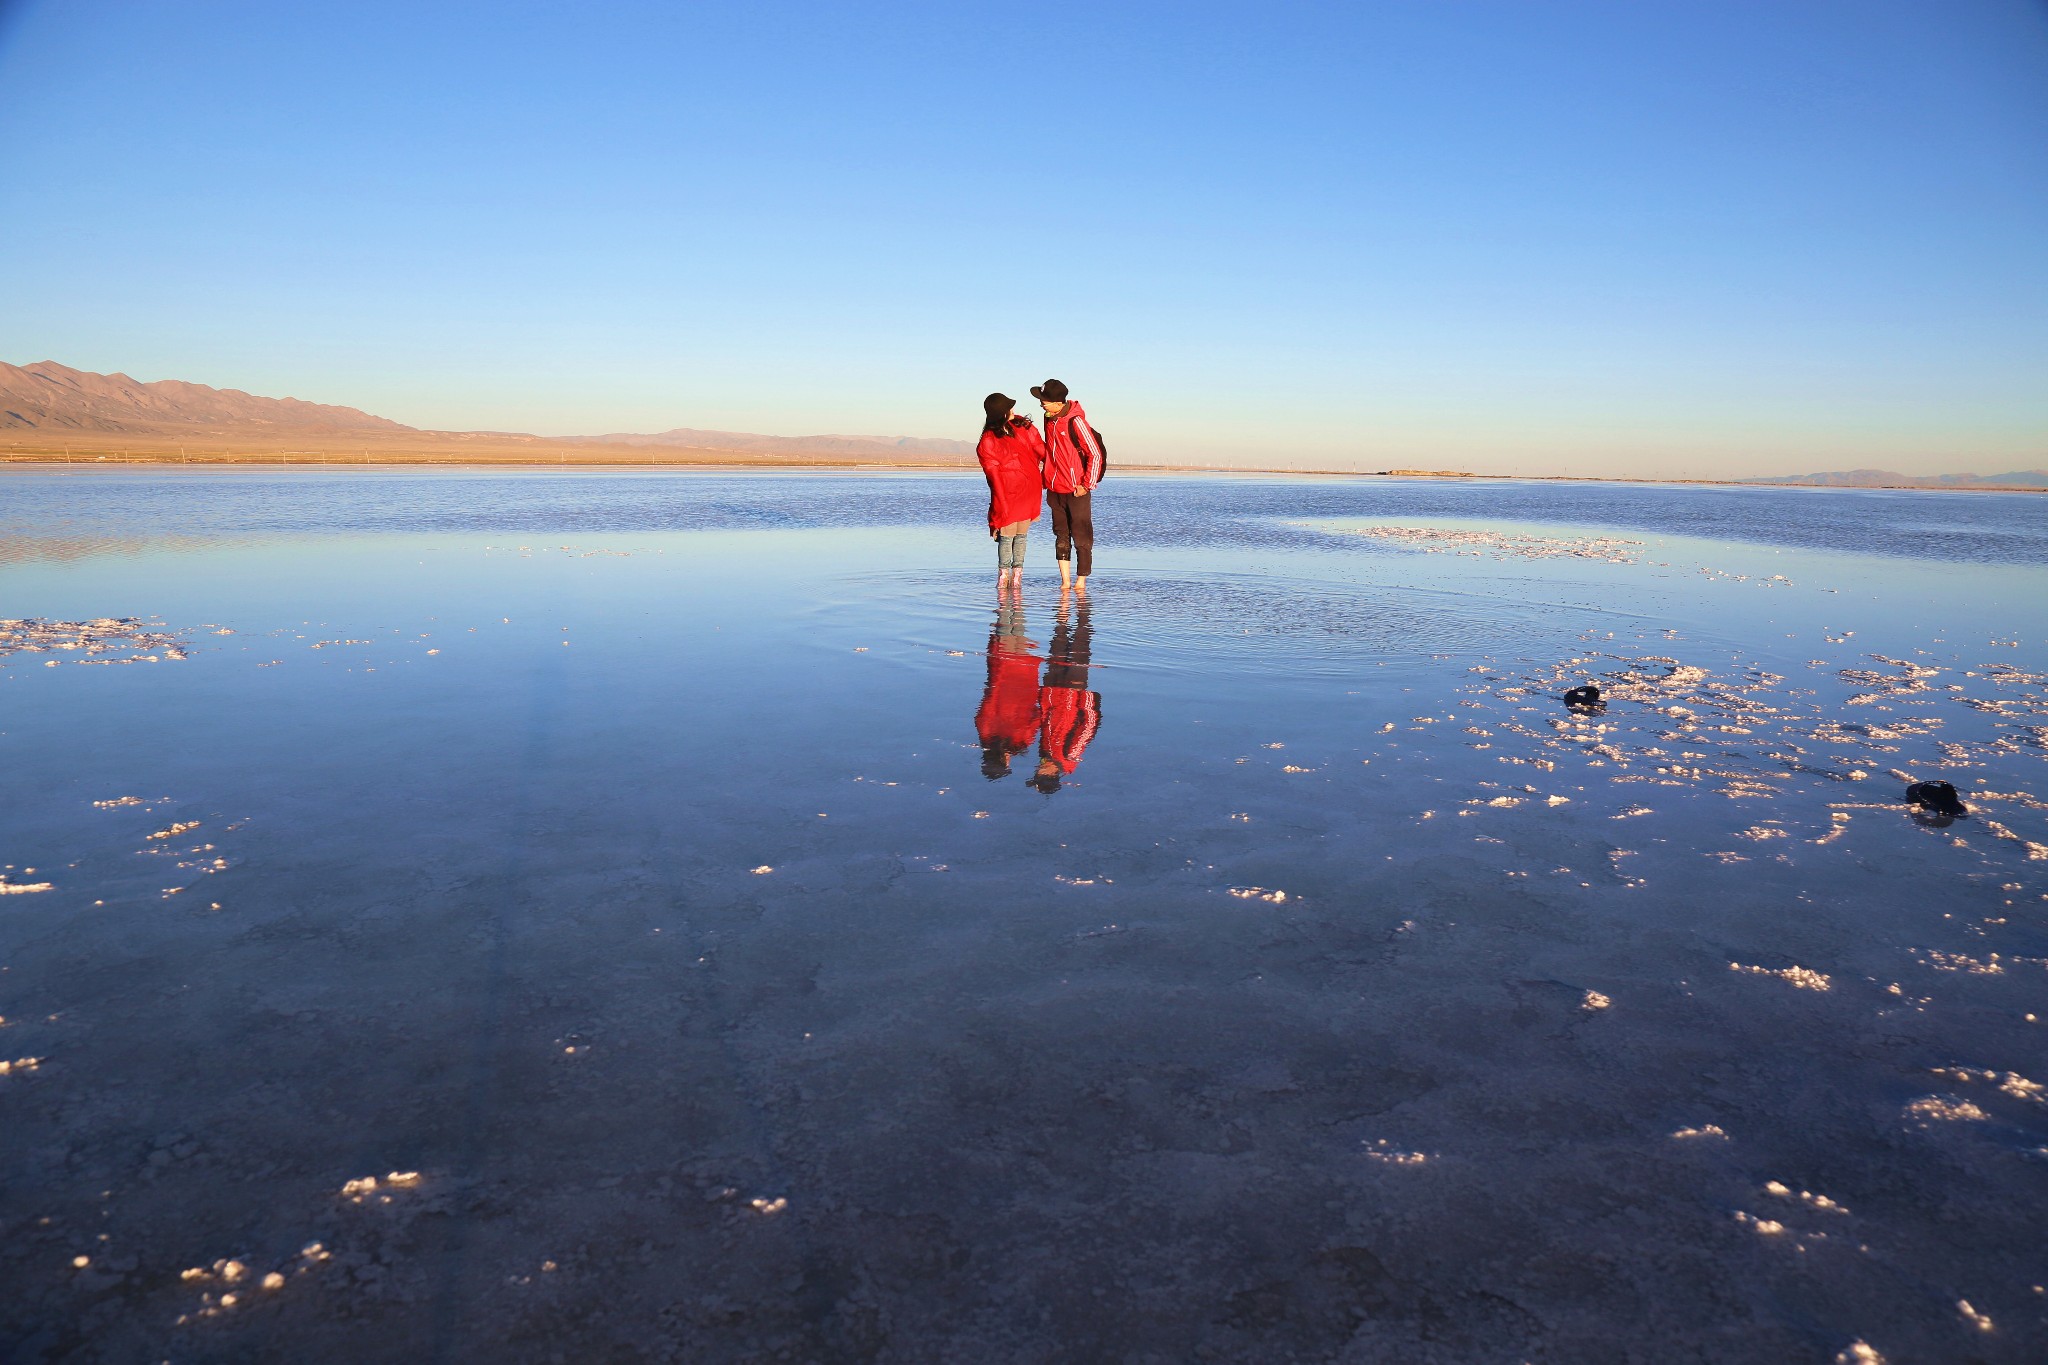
(1010, 545)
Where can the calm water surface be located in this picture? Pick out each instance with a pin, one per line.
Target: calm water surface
(745, 940)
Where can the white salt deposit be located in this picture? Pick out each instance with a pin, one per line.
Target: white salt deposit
(1804, 978)
(1502, 547)
(1941, 1109)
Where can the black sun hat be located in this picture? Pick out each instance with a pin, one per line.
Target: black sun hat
(1051, 391)
(998, 404)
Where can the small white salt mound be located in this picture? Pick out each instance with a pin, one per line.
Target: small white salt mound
(1859, 1352)
(769, 1207)
(1769, 1227)
(1806, 1197)
(1258, 893)
(763, 870)
(1938, 1108)
(367, 1189)
(1705, 1130)
(1387, 1156)
(8, 888)
(1804, 978)
(1595, 1001)
(1970, 1315)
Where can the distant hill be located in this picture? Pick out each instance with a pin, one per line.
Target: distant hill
(1885, 478)
(870, 447)
(56, 399)
(46, 401)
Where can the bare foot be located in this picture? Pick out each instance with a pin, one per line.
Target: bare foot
(1081, 585)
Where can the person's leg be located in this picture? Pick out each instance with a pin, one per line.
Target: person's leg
(1062, 533)
(1010, 551)
(1081, 520)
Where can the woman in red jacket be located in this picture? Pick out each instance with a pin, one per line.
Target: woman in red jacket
(1008, 719)
(1011, 455)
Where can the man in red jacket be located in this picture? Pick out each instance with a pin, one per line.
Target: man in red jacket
(1069, 713)
(1073, 466)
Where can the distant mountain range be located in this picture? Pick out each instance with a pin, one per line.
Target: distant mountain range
(49, 397)
(691, 438)
(55, 401)
(47, 403)
(1885, 478)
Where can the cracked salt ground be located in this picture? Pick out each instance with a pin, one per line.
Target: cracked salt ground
(694, 994)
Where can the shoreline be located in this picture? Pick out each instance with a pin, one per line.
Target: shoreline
(302, 460)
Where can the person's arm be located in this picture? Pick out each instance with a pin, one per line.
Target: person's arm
(985, 452)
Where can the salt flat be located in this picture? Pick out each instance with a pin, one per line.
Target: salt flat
(529, 916)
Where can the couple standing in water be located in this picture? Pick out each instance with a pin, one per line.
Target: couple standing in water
(1026, 470)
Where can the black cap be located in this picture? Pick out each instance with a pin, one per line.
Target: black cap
(997, 404)
(1051, 391)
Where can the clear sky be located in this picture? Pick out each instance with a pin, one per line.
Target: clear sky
(1666, 237)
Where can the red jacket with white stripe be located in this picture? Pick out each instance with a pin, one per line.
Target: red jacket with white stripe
(1011, 464)
(1073, 457)
(1069, 718)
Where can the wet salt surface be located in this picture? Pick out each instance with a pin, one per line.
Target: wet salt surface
(569, 915)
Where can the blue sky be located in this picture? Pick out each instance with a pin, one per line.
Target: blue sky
(1664, 238)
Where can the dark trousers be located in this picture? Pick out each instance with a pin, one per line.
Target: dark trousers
(1073, 529)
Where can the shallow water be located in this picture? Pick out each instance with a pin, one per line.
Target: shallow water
(615, 852)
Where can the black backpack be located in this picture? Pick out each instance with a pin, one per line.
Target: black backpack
(1102, 446)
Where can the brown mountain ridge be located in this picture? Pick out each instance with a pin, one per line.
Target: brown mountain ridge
(51, 409)
(49, 397)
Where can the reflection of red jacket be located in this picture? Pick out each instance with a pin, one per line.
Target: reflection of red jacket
(1073, 457)
(1070, 719)
(1009, 705)
(1011, 464)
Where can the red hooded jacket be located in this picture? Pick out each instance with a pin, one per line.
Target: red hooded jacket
(1011, 464)
(1073, 457)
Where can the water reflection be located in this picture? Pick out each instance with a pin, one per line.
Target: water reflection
(1008, 718)
(1070, 713)
(1058, 710)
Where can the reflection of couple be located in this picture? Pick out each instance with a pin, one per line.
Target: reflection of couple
(1060, 712)
(1062, 467)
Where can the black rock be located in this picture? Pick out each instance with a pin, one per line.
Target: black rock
(1589, 695)
(1937, 796)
